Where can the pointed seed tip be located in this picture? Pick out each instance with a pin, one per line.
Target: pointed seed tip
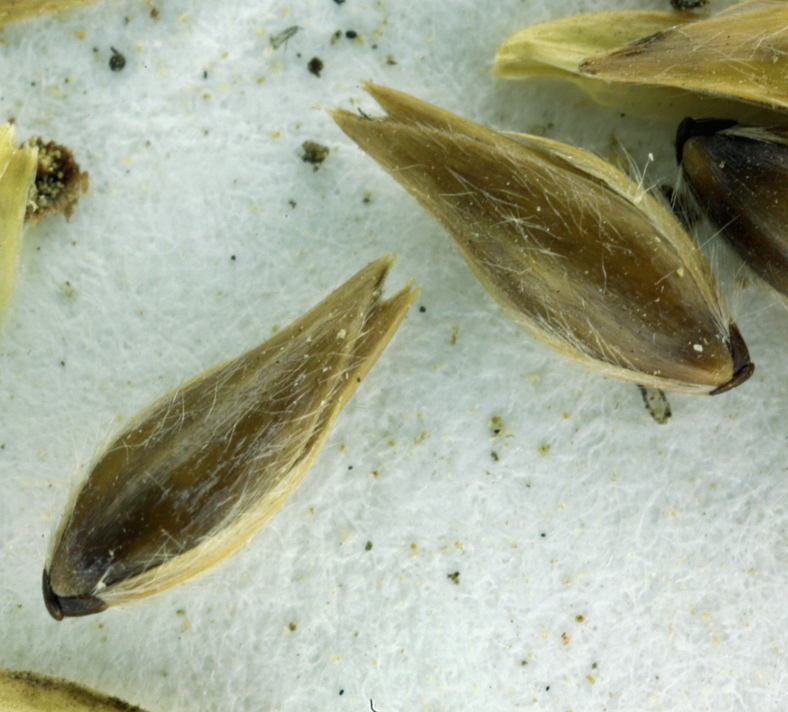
(50, 599)
(62, 606)
(742, 366)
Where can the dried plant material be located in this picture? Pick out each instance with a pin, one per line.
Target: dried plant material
(28, 692)
(739, 176)
(660, 63)
(15, 10)
(656, 403)
(579, 254)
(17, 172)
(58, 184)
(200, 471)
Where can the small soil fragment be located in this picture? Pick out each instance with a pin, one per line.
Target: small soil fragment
(58, 184)
(117, 61)
(314, 153)
(315, 66)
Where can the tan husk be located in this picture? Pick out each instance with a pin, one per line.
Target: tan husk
(17, 172)
(578, 253)
(30, 692)
(15, 10)
(196, 474)
(663, 63)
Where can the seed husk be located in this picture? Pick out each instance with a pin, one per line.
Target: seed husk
(202, 469)
(17, 172)
(662, 63)
(15, 10)
(30, 692)
(739, 177)
(577, 252)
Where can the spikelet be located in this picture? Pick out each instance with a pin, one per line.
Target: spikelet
(17, 172)
(573, 249)
(654, 63)
(739, 176)
(201, 470)
(28, 692)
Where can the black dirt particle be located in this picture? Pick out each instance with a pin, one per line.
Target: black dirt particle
(339, 2)
(314, 153)
(455, 577)
(117, 61)
(687, 4)
(351, 34)
(315, 66)
(543, 535)
(368, 547)
(422, 309)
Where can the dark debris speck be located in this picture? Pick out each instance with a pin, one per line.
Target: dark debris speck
(315, 66)
(117, 61)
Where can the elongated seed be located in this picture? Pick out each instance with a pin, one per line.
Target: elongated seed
(739, 176)
(195, 475)
(578, 253)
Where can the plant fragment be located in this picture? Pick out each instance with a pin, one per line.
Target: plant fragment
(36, 179)
(15, 10)
(663, 62)
(739, 177)
(202, 469)
(578, 253)
(29, 692)
(17, 173)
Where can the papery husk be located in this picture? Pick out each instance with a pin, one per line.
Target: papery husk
(17, 173)
(201, 470)
(30, 692)
(578, 253)
(663, 64)
(16, 10)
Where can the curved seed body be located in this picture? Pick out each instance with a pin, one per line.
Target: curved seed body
(574, 250)
(194, 476)
(739, 176)
(28, 692)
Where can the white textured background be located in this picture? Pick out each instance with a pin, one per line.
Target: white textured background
(605, 562)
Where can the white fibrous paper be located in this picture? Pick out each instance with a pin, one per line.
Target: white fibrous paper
(489, 526)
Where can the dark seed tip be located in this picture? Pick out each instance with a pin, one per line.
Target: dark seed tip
(73, 606)
(742, 366)
(689, 128)
(51, 600)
